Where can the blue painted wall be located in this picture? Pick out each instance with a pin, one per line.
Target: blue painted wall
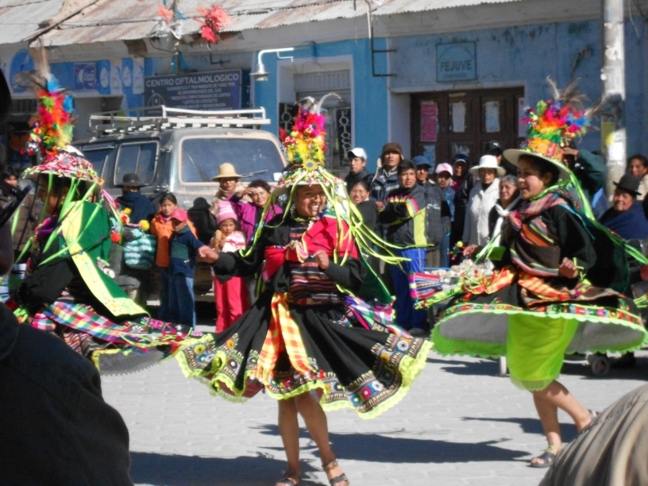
(371, 128)
(516, 56)
(525, 56)
(370, 94)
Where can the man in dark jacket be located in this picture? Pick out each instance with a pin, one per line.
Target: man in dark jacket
(141, 208)
(357, 168)
(404, 216)
(56, 427)
(385, 181)
(437, 212)
(135, 282)
(386, 178)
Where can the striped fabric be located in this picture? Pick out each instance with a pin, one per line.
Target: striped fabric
(80, 317)
(532, 230)
(283, 334)
(308, 281)
(409, 202)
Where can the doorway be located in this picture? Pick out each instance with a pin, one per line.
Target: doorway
(448, 123)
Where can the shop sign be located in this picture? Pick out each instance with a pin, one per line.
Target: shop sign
(217, 90)
(85, 76)
(456, 62)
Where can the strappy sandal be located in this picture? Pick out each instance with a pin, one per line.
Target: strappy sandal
(289, 479)
(340, 480)
(547, 457)
(592, 415)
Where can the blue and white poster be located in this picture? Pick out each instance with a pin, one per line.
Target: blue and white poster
(85, 76)
(20, 62)
(103, 68)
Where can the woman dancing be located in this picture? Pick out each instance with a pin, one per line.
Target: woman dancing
(69, 289)
(305, 340)
(557, 290)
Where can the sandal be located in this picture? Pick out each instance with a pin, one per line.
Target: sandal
(289, 479)
(547, 457)
(592, 415)
(340, 480)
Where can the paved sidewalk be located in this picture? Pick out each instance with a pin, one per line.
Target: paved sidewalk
(461, 424)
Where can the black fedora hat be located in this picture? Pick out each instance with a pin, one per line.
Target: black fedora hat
(131, 179)
(629, 183)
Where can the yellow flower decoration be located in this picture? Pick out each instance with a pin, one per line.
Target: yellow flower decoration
(310, 165)
(144, 225)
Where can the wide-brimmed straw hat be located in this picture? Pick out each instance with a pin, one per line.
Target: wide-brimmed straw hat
(62, 164)
(541, 149)
(488, 162)
(552, 125)
(226, 171)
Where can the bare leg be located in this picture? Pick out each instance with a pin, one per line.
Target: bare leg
(289, 431)
(547, 403)
(317, 426)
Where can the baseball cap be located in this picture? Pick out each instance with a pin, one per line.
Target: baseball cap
(419, 160)
(179, 215)
(445, 167)
(357, 152)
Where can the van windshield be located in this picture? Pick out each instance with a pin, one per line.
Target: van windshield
(252, 158)
(98, 158)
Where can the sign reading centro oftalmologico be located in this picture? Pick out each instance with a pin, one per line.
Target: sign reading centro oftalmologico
(217, 90)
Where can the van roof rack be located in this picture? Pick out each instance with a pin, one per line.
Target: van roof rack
(159, 118)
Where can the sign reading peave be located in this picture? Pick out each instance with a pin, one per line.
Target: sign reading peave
(456, 62)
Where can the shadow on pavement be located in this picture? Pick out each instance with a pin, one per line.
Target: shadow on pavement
(482, 367)
(379, 448)
(531, 426)
(637, 372)
(174, 470)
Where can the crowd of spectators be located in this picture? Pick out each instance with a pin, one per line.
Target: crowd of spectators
(420, 207)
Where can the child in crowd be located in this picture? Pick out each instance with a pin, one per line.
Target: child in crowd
(163, 227)
(182, 258)
(231, 297)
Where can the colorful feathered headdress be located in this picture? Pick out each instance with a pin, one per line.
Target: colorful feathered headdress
(305, 148)
(553, 124)
(52, 127)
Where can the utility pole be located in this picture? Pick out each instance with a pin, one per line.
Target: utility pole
(613, 128)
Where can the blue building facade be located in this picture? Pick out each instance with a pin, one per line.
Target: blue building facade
(388, 108)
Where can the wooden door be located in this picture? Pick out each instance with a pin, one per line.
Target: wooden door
(464, 122)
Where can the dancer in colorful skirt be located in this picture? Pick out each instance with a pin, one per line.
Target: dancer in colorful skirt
(69, 289)
(306, 340)
(558, 288)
